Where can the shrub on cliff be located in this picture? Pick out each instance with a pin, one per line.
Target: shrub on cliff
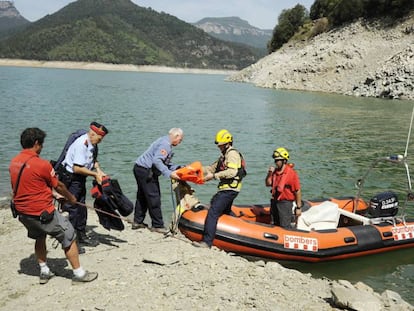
(340, 12)
(289, 22)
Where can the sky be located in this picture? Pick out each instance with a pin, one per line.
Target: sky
(262, 14)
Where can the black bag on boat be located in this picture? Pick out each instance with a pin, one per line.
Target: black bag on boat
(384, 204)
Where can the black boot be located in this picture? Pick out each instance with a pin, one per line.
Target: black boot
(84, 240)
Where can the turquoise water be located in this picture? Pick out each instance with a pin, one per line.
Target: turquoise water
(332, 139)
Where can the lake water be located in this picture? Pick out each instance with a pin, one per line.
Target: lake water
(332, 139)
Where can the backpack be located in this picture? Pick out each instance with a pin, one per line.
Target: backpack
(242, 170)
(72, 137)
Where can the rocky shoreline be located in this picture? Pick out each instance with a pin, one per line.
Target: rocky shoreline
(143, 270)
(361, 59)
(8, 62)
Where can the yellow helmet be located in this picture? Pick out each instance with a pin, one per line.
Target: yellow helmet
(223, 137)
(280, 154)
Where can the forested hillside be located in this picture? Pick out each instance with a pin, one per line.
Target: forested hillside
(120, 32)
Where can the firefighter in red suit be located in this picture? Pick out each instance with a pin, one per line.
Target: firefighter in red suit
(286, 192)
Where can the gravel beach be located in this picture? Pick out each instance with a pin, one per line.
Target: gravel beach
(143, 270)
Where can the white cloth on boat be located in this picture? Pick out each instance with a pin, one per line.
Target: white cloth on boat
(319, 217)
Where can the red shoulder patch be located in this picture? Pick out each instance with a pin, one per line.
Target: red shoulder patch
(164, 152)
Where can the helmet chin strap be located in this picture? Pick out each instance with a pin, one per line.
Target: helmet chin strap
(226, 147)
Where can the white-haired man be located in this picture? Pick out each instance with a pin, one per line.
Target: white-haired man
(155, 161)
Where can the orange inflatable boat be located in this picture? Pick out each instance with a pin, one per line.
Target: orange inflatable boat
(328, 229)
(345, 235)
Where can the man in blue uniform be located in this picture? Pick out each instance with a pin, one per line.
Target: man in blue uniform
(81, 162)
(155, 161)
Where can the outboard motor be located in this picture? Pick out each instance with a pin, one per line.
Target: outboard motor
(384, 204)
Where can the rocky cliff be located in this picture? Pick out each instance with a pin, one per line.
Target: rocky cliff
(361, 59)
(7, 9)
(234, 29)
(10, 18)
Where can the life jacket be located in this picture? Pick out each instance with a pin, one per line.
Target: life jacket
(110, 199)
(192, 172)
(234, 182)
(278, 188)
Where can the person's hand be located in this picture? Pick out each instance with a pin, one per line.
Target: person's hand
(100, 171)
(99, 177)
(64, 200)
(271, 169)
(57, 195)
(208, 176)
(174, 175)
(61, 199)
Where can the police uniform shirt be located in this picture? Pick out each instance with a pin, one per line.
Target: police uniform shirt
(80, 153)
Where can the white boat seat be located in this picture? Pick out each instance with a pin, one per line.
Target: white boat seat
(323, 216)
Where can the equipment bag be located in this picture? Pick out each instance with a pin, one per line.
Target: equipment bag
(114, 204)
(112, 189)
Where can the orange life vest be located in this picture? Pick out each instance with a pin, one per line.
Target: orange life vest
(192, 172)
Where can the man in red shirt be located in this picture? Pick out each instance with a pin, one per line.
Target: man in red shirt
(285, 189)
(32, 180)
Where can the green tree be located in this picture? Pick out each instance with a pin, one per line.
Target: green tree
(289, 22)
(393, 8)
(323, 8)
(346, 11)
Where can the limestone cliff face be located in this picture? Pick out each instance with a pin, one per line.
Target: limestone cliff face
(234, 29)
(10, 18)
(7, 9)
(360, 59)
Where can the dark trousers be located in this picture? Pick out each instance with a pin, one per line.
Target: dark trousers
(281, 212)
(148, 197)
(220, 204)
(78, 214)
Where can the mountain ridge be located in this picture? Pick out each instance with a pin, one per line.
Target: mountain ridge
(10, 19)
(119, 31)
(235, 29)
